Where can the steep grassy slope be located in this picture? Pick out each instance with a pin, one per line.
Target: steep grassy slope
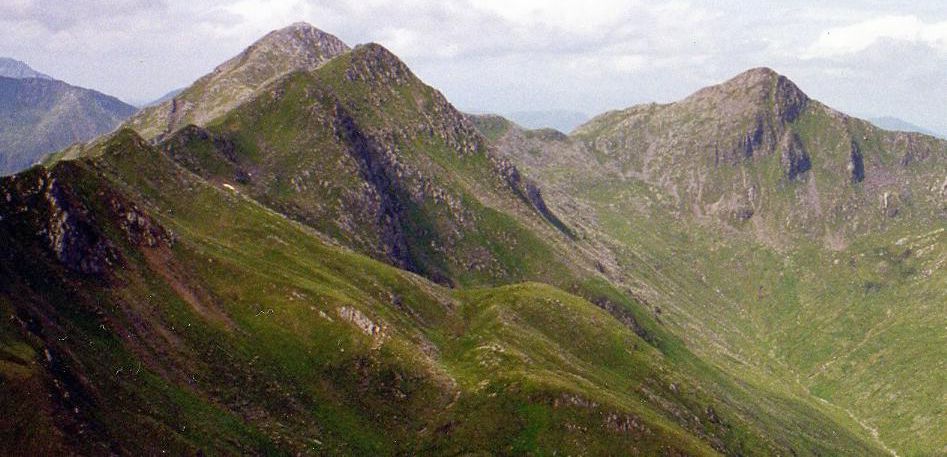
(152, 311)
(775, 235)
(39, 116)
(366, 153)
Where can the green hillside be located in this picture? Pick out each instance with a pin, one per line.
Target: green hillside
(338, 262)
(774, 232)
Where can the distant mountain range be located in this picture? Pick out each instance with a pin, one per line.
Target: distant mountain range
(900, 125)
(562, 120)
(40, 115)
(310, 251)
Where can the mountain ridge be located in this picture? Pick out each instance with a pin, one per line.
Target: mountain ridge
(343, 263)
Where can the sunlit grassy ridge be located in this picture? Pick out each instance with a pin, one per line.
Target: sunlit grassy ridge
(249, 334)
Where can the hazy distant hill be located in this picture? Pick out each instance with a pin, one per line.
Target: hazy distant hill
(562, 120)
(164, 98)
(40, 115)
(11, 68)
(900, 125)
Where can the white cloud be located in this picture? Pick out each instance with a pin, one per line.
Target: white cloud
(854, 38)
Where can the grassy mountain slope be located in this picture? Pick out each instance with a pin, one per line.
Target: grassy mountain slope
(154, 311)
(39, 116)
(363, 151)
(771, 232)
(248, 286)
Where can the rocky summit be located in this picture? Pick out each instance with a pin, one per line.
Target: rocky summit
(310, 251)
(297, 47)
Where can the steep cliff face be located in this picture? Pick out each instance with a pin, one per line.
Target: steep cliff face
(51, 210)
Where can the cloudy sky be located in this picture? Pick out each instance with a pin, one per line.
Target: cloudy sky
(864, 57)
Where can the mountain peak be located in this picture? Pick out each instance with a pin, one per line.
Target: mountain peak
(757, 88)
(12, 68)
(374, 62)
(304, 35)
(299, 46)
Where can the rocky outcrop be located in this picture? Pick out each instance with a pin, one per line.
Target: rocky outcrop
(39, 202)
(530, 192)
(856, 164)
(219, 152)
(379, 168)
(48, 207)
(793, 156)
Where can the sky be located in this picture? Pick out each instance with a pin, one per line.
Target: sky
(868, 58)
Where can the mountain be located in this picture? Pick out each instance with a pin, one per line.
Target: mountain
(41, 116)
(773, 232)
(561, 120)
(344, 264)
(900, 125)
(805, 170)
(297, 47)
(10, 68)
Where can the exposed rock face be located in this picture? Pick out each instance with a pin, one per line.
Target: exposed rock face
(221, 153)
(856, 164)
(793, 157)
(47, 205)
(756, 148)
(37, 202)
(297, 47)
(379, 167)
(530, 192)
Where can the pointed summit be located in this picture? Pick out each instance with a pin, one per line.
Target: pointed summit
(299, 46)
(12, 68)
(756, 88)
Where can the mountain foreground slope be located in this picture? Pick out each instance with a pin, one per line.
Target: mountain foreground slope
(40, 115)
(335, 261)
